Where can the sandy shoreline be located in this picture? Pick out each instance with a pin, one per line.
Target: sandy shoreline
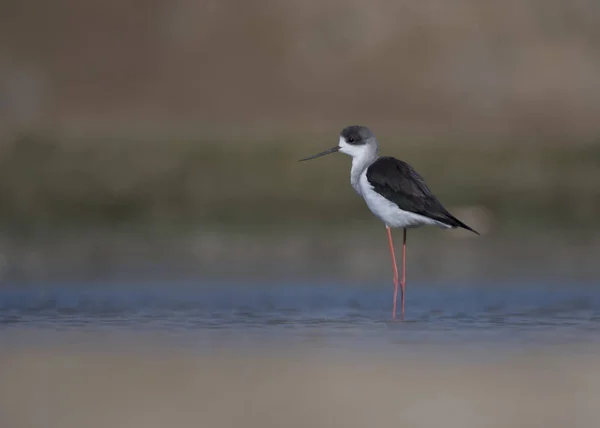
(154, 386)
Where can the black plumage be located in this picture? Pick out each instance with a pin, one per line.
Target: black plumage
(398, 182)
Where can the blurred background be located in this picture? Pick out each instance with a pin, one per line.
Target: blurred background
(161, 138)
(156, 143)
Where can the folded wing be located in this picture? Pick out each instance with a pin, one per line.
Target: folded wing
(398, 182)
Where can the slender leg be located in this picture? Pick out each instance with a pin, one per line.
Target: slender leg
(403, 283)
(389, 231)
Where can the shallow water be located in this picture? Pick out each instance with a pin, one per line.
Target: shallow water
(331, 315)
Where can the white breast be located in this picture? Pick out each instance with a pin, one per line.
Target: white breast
(387, 211)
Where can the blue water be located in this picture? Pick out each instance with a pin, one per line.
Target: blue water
(327, 315)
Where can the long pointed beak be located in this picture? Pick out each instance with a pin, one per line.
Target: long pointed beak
(326, 152)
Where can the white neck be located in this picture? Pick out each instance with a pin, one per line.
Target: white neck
(361, 160)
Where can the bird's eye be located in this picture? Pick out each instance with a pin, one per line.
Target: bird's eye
(350, 140)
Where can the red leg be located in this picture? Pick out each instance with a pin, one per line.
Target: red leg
(389, 231)
(403, 283)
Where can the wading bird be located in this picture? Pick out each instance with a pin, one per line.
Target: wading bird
(393, 191)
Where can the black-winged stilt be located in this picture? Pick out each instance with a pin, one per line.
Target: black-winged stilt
(393, 191)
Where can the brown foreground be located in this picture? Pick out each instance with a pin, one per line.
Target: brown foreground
(72, 387)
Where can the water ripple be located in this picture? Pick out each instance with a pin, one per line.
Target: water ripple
(336, 312)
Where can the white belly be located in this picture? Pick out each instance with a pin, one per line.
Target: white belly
(388, 211)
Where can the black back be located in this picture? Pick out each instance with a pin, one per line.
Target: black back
(398, 182)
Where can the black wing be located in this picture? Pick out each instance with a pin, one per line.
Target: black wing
(398, 182)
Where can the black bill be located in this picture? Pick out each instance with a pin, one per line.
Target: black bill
(326, 152)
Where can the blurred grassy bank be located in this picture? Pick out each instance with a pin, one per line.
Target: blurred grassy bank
(240, 205)
(167, 134)
(52, 184)
(71, 386)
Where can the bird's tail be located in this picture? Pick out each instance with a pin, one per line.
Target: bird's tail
(454, 222)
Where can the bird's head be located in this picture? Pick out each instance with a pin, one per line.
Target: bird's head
(355, 140)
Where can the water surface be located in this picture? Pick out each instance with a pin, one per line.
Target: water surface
(327, 315)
